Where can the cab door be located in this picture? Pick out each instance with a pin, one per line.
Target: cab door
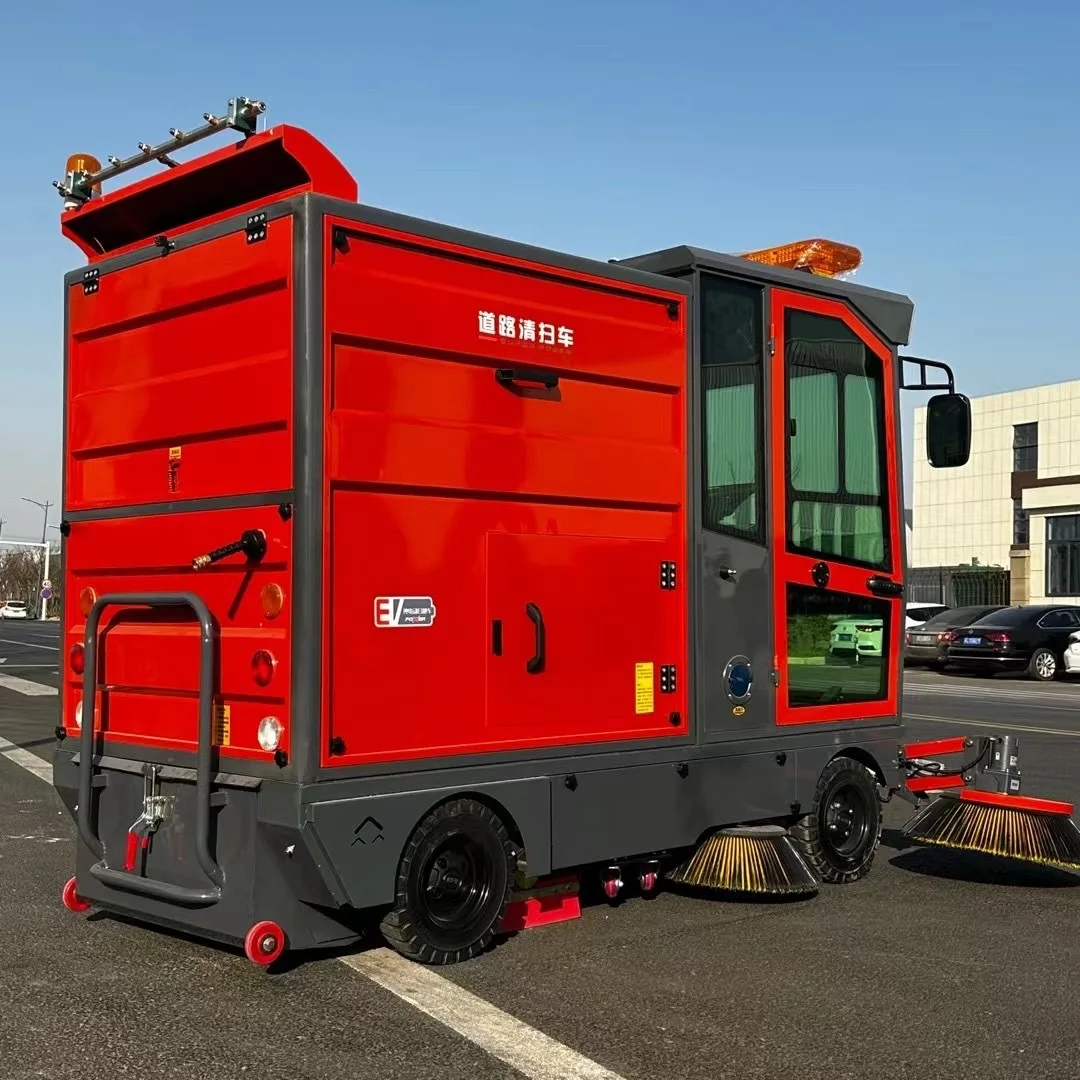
(837, 597)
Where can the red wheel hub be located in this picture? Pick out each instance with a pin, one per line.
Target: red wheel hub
(72, 900)
(264, 943)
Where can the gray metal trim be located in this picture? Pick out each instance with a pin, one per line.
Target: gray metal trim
(560, 761)
(172, 772)
(557, 260)
(890, 313)
(182, 241)
(182, 506)
(305, 742)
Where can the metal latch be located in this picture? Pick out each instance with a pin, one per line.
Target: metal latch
(155, 807)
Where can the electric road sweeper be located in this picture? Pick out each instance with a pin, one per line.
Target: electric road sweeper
(410, 573)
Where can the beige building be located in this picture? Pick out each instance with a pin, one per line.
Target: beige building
(1016, 503)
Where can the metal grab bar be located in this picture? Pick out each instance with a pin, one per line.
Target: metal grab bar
(122, 879)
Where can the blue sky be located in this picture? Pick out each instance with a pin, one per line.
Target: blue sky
(940, 138)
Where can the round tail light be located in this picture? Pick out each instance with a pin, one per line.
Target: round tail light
(77, 658)
(262, 667)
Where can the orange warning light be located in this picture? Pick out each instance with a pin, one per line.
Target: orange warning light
(84, 163)
(827, 258)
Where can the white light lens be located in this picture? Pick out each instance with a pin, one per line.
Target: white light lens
(269, 733)
(78, 713)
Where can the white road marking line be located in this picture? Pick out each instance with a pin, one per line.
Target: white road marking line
(512, 1041)
(30, 645)
(25, 686)
(534, 1054)
(988, 724)
(30, 762)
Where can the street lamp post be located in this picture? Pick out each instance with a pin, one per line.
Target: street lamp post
(44, 543)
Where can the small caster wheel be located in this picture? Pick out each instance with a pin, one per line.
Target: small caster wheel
(264, 943)
(612, 882)
(648, 877)
(72, 900)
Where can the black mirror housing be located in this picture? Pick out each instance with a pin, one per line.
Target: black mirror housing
(948, 430)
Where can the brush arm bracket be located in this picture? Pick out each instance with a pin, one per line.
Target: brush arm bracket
(986, 763)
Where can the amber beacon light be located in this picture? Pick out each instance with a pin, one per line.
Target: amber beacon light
(826, 258)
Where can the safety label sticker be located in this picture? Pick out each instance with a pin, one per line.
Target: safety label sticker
(643, 688)
(393, 611)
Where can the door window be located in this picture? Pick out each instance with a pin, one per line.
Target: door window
(836, 465)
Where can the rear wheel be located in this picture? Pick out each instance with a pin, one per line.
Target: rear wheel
(454, 884)
(1043, 665)
(840, 837)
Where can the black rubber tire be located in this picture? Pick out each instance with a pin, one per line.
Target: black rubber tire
(413, 926)
(1033, 669)
(846, 780)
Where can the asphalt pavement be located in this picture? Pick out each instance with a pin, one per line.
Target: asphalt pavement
(938, 965)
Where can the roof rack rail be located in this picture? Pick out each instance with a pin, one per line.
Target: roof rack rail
(85, 174)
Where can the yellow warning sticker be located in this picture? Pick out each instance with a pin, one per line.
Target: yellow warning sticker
(175, 453)
(643, 688)
(221, 724)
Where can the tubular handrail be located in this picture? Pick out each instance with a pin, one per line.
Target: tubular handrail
(204, 759)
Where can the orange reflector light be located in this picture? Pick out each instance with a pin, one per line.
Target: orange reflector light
(827, 258)
(87, 598)
(77, 658)
(272, 600)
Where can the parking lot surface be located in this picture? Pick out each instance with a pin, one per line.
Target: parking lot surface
(939, 964)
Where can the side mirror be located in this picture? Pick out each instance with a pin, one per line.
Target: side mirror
(948, 431)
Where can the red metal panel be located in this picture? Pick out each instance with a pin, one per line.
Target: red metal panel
(604, 613)
(954, 745)
(233, 179)
(149, 662)
(420, 691)
(180, 376)
(444, 485)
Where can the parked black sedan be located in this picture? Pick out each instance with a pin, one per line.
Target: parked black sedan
(1032, 639)
(929, 642)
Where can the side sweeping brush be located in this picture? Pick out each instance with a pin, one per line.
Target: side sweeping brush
(750, 859)
(988, 815)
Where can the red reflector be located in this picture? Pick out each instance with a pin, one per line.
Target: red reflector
(262, 667)
(76, 658)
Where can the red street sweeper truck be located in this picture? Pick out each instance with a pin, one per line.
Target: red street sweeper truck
(406, 566)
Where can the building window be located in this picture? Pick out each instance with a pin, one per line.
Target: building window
(1021, 532)
(1025, 447)
(1063, 555)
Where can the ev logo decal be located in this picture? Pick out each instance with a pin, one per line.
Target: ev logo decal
(392, 611)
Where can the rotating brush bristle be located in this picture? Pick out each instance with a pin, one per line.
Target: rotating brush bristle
(751, 859)
(1013, 827)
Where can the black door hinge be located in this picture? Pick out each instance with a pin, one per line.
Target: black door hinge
(667, 575)
(90, 282)
(257, 227)
(772, 347)
(667, 679)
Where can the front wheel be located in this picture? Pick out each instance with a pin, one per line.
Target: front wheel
(840, 837)
(453, 886)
